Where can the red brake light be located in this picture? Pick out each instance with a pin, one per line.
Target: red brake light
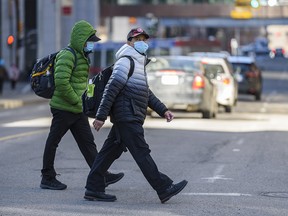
(198, 82)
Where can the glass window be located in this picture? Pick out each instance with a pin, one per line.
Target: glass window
(157, 64)
(212, 71)
(240, 68)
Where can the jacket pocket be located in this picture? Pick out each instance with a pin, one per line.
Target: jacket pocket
(134, 107)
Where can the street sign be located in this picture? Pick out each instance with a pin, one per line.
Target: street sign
(66, 6)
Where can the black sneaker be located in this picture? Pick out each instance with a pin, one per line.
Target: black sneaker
(99, 196)
(111, 178)
(52, 184)
(172, 190)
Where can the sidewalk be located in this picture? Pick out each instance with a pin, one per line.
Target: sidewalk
(21, 96)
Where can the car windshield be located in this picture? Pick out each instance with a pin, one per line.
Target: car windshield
(160, 64)
(212, 71)
(240, 67)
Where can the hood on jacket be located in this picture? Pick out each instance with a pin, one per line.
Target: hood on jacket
(81, 31)
(130, 51)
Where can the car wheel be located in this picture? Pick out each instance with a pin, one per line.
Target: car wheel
(258, 96)
(235, 101)
(215, 109)
(228, 109)
(214, 115)
(207, 114)
(211, 112)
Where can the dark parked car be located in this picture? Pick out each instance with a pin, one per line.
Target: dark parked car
(180, 83)
(249, 76)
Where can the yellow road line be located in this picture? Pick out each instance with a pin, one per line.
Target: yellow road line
(22, 135)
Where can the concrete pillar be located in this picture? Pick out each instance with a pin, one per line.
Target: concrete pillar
(46, 27)
(54, 27)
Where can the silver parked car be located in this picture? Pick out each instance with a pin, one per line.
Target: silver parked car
(180, 83)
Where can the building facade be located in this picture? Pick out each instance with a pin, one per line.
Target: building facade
(40, 27)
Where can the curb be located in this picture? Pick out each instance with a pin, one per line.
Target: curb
(15, 103)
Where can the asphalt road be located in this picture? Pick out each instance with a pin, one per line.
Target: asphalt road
(235, 164)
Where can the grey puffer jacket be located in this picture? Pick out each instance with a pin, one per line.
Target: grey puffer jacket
(127, 100)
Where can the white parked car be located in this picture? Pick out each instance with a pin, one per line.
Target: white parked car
(220, 71)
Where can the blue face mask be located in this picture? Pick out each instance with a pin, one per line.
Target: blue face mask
(89, 46)
(141, 46)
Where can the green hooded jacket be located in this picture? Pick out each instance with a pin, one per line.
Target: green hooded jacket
(70, 84)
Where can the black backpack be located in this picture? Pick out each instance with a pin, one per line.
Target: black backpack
(42, 76)
(91, 104)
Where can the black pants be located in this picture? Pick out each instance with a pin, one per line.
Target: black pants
(132, 137)
(79, 126)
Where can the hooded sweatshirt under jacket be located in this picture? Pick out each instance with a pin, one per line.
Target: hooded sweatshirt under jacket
(70, 84)
(127, 100)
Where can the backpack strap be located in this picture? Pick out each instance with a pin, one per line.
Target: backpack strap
(131, 70)
(132, 65)
(74, 53)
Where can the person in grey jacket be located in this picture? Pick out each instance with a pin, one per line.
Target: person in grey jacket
(126, 101)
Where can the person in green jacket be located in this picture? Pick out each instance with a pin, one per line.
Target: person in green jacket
(66, 105)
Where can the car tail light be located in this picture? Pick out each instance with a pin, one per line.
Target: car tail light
(223, 79)
(226, 81)
(283, 51)
(198, 82)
